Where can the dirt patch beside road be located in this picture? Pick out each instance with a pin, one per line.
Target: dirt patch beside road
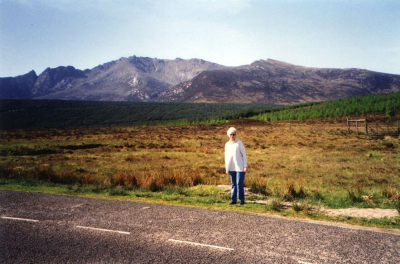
(362, 212)
(353, 212)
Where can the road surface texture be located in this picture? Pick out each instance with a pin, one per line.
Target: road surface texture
(43, 228)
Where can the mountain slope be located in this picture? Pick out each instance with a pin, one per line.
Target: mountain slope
(127, 79)
(153, 80)
(19, 87)
(275, 82)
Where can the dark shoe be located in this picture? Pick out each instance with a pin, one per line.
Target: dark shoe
(232, 203)
(241, 203)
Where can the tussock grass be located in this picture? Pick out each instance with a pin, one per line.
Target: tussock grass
(277, 204)
(355, 196)
(398, 206)
(258, 185)
(293, 161)
(302, 206)
(201, 195)
(292, 192)
(391, 193)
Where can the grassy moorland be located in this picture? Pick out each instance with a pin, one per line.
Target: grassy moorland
(310, 163)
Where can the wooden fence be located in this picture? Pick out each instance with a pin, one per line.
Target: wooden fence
(374, 130)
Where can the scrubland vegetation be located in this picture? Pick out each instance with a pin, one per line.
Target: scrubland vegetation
(309, 163)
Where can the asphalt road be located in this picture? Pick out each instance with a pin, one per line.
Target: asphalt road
(43, 228)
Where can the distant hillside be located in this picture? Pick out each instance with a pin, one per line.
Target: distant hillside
(387, 104)
(36, 114)
(139, 79)
(127, 79)
(275, 82)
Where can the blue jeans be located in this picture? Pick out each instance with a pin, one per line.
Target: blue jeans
(237, 179)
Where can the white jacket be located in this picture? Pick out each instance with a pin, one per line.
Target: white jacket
(235, 156)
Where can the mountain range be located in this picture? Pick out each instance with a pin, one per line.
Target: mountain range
(142, 79)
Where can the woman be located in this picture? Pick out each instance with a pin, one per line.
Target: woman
(235, 164)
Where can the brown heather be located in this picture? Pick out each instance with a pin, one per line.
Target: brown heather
(295, 160)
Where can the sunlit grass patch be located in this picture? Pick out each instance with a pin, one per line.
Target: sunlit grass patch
(302, 206)
(290, 161)
(276, 204)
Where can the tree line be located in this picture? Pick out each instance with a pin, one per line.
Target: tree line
(388, 104)
(33, 114)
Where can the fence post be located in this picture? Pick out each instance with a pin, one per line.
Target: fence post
(366, 126)
(348, 125)
(357, 126)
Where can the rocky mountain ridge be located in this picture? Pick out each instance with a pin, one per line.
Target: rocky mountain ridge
(275, 82)
(148, 80)
(126, 79)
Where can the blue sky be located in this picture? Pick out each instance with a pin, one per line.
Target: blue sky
(36, 34)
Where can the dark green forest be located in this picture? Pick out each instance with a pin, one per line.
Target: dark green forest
(387, 104)
(33, 114)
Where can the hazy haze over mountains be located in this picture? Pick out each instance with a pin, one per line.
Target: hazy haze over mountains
(147, 80)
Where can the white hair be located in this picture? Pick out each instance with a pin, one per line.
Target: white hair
(231, 130)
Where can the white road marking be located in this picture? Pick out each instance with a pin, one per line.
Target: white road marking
(20, 219)
(144, 208)
(302, 262)
(104, 230)
(198, 244)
